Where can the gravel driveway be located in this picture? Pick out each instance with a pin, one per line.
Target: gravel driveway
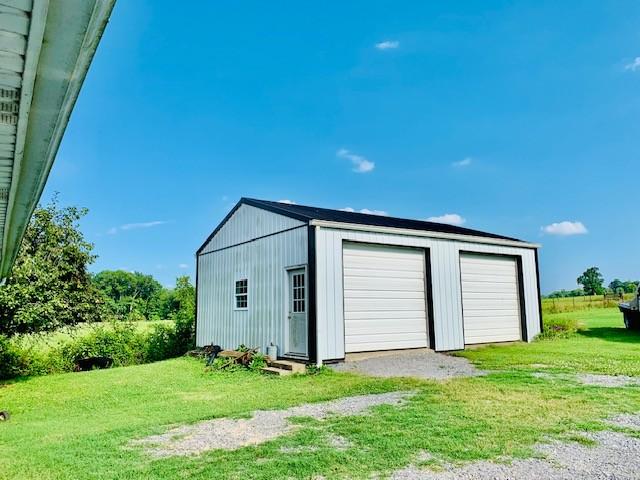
(263, 425)
(615, 457)
(421, 363)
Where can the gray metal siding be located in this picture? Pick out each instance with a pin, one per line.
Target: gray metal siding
(447, 296)
(248, 223)
(263, 262)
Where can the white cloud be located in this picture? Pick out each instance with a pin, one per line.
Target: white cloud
(565, 229)
(360, 164)
(183, 266)
(288, 202)
(367, 211)
(135, 226)
(388, 45)
(465, 162)
(448, 218)
(634, 65)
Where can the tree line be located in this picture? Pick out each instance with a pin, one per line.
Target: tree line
(50, 285)
(592, 283)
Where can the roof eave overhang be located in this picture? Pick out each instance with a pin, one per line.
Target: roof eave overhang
(62, 40)
(424, 233)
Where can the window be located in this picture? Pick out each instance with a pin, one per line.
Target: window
(242, 294)
(298, 293)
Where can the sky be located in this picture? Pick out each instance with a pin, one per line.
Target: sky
(516, 117)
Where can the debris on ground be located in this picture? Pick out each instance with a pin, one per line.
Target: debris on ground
(262, 426)
(4, 416)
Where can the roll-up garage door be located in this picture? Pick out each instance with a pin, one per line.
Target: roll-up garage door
(490, 299)
(384, 297)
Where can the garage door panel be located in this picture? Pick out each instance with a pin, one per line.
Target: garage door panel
(379, 251)
(393, 264)
(382, 283)
(490, 298)
(383, 305)
(486, 287)
(481, 268)
(373, 315)
(384, 298)
(385, 294)
(385, 326)
(380, 273)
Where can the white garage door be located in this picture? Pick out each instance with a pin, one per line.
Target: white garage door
(490, 300)
(384, 298)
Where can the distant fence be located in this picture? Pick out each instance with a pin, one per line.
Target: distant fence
(570, 304)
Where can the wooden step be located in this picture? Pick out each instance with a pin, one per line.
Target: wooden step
(276, 371)
(295, 367)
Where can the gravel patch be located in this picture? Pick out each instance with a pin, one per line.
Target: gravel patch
(607, 380)
(264, 425)
(615, 457)
(419, 363)
(626, 421)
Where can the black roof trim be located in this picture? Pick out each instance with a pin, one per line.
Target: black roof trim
(302, 212)
(306, 214)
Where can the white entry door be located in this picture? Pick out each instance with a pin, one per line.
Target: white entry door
(490, 298)
(384, 297)
(297, 314)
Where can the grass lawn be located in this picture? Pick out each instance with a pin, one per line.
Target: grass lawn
(78, 425)
(604, 347)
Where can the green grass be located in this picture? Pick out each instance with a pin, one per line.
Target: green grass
(78, 425)
(605, 346)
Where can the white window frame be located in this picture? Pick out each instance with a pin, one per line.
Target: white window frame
(237, 295)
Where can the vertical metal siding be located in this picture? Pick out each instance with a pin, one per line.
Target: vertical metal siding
(447, 296)
(263, 262)
(248, 223)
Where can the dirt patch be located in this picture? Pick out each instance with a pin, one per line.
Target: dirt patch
(414, 363)
(607, 380)
(264, 425)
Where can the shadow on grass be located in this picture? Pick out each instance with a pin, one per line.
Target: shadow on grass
(613, 334)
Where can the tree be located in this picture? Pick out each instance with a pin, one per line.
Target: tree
(130, 293)
(617, 286)
(631, 287)
(49, 285)
(592, 281)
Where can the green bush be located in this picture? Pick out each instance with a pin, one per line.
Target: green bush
(42, 354)
(560, 327)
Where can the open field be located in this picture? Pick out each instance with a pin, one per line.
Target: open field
(80, 425)
(587, 302)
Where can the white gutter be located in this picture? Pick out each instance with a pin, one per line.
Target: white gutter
(423, 233)
(34, 44)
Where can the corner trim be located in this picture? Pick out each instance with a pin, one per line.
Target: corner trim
(312, 295)
(428, 279)
(539, 292)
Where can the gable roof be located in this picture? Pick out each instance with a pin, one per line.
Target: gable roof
(308, 214)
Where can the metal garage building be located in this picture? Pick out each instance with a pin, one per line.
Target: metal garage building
(322, 283)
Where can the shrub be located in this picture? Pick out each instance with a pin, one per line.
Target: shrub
(560, 327)
(56, 352)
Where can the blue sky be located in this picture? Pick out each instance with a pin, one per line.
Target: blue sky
(510, 116)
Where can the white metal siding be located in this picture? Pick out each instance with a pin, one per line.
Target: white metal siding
(490, 299)
(384, 298)
(447, 297)
(263, 262)
(247, 223)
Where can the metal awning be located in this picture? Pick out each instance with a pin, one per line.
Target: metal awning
(46, 47)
